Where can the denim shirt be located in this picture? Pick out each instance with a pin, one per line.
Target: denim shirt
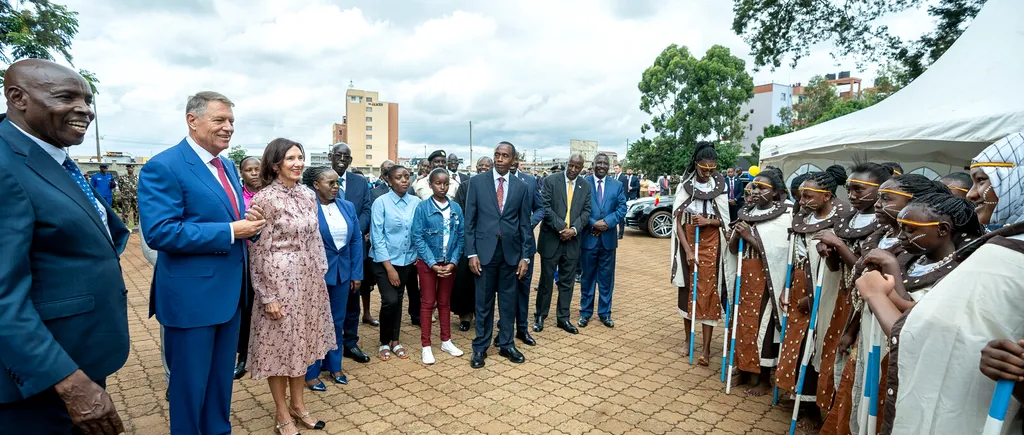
(428, 233)
(391, 229)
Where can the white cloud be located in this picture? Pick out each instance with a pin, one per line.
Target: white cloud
(533, 72)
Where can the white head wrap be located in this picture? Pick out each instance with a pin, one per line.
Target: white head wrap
(1003, 162)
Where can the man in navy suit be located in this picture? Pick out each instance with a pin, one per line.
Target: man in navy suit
(63, 302)
(192, 213)
(356, 190)
(734, 188)
(522, 320)
(623, 179)
(498, 245)
(607, 209)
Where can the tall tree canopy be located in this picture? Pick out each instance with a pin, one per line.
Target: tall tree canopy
(37, 29)
(780, 29)
(690, 99)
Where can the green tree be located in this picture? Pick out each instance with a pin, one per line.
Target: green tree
(36, 29)
(789, 29)
(690, 99)
(819, 96)
(236, 155)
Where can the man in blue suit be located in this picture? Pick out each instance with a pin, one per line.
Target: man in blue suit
(607, 209)
(192, 213)
(63, 302)
(523, 286)
(498, 245)
(356, 190)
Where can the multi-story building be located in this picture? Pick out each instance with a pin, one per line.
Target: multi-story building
(588, 148)
(370, 128)
(319, 159)
(763, 110)
(613, 158)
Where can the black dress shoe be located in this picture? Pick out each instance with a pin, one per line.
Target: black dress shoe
(463, 326)
(512, 354)
(240, 369)
(526, 338)
(608, 322)
(416, 321)
(538, 324)
(583, 322)
(477, 361)
(356, 354)
(567, 327)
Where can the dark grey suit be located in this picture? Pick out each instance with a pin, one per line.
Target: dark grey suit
(553, 251)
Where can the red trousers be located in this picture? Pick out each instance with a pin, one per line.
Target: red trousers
(434, 289)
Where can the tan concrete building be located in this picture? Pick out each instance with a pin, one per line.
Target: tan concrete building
(588, 148)
(370, 128)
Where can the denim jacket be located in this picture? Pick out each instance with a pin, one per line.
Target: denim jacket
(428, 233)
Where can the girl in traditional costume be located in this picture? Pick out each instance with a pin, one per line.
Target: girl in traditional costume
(819, 213)
(932, 345)
(763, 225)
(701, 201)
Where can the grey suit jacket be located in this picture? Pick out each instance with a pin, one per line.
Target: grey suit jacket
(553, 200)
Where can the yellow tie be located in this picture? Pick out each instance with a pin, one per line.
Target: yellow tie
(568, 205)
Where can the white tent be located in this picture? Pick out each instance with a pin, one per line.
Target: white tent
(970, 97)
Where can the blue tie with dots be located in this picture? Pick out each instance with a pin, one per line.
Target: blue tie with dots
(76, 174)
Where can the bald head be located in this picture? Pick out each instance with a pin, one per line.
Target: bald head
(385, 166)
(49, 101)
(341, 157)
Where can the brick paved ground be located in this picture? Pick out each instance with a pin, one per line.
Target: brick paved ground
(603, 381)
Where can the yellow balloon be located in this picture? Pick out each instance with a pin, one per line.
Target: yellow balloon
(754, 170)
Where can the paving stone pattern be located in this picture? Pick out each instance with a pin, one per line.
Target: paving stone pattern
(625, 380)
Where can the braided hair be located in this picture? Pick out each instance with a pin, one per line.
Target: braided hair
(878, 173)
(704, 151)
(960, 212)
(829, 179)
(312, 174)
(797, 181)
(774, 176)
(894, 167)
(917, 185)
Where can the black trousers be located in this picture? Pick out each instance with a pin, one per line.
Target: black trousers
(244, 328)
(412, 286)
(464, 291)
(566, 281)
(42, 414)
(497, 280)
(390, 301)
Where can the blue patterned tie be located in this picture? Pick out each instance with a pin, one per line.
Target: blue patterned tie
(76, 174)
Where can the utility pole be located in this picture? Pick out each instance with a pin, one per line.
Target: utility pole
(96, 122)
(472, 162)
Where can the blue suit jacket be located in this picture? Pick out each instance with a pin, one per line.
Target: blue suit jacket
(343, 264)
(535, 204)
(357, 191)
(483, 222)
(63, 303)
(186, 216)
(612, 210)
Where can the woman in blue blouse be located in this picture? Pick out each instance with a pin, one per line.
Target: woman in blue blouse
(437, 236)
(339, 228)
(393, 256)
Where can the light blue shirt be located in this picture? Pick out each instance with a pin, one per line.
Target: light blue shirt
(391, 229)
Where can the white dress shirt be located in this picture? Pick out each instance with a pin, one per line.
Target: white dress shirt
(207, 157)
(60, 154)
(568, 183)
(504, 195)
(336, 224)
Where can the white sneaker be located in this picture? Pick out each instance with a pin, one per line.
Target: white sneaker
(428, 355)
(449, 347)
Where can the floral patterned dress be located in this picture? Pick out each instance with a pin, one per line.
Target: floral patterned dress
(288, 264)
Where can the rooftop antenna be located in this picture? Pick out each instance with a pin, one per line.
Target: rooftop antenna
(351, 85)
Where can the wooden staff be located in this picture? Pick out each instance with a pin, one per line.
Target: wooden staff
(784, 309)
(735, 316)
(808, 344)
(693, 298)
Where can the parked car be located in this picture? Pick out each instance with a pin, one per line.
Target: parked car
(654, 219)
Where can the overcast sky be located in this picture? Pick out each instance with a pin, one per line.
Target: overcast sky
(536, 73)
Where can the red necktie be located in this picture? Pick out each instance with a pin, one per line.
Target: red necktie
(225, 184)
(501, 194)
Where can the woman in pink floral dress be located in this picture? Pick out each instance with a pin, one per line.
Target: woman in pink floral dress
(291, 319)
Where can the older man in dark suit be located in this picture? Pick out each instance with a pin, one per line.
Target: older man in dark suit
(565, 199)
(499, 245)
(63, 303)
